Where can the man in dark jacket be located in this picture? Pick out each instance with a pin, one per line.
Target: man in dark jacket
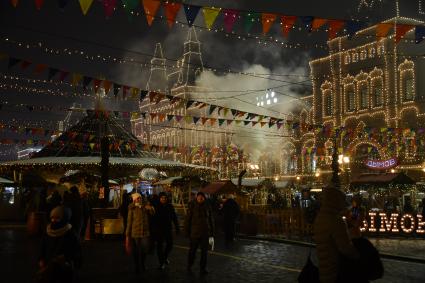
(162, 222)
(199, 227)
(73, 202)
(230, 214)
(125, 202)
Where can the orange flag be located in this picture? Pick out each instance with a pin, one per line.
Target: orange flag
(107, 86)
(151, 7)
(317, 23)
(14, 3)
(267, 20)
(334, 27)
(171, 10)
(382, 29)
(401, 30)
(287, 24)
(39, 68)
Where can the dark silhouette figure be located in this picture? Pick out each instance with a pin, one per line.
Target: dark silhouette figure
(165, 216)
(199, 226)
(230, 214)
(72, 200)
(125, 202)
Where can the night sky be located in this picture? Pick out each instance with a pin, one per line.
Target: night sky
(124, 36)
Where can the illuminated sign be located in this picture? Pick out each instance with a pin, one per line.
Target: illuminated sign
(394, 223)
(381, 164)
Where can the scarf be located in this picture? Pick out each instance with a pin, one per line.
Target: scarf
(58, 232)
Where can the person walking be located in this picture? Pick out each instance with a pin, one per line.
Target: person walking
(199, 227)
(331, 235)
(59, 249)
(165, 216)
(73, 202)
(137, 232)
(230, 214)
(125, 202)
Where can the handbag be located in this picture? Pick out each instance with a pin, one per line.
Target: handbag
(310, 272)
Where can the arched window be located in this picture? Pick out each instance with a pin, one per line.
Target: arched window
(364, 96)
(408, 88)
(328, 103)
(377, 97)
(351, 100)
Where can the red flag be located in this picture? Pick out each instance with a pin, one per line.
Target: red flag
(63, 75)
(96, 84)
(14, 3)
(151, 7)
(171, 10)
(39, 68)
(334, 27)
(287, 24)
(317, 23)
(383, 29)
(107, 86)
(401, 30)
(25, 64)
(267, 19)
(38, 4)
(109, 7)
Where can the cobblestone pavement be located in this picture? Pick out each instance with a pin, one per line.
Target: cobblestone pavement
(247, 261)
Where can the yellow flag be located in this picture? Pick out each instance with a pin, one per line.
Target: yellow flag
(76, 78)
(135, 93)
(210, 13)
(85, 5)
(3, 56)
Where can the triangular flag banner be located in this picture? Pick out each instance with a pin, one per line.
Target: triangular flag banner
(419, 34)
(262, 124)
(178, 118)
(107, 86)
(85, 6)
(76, 78)
(401, 30)
(86, 81)
(210, 14)
(14, 3)
(267, 19)
(171, 11)
(151, 7)
(38, 4)
(124, 91)
(170, 117)
(353, 27)
(63, 75)
(117, 88)
(3, 56)
(318, 23)
(195, 119)
(52, 73)
(307, 21)
(25, 64)
(39, 68)
(229, 122)
(221, 121)
(249, 20)
(287, 24)
(234, 112)
(109, 7)
(96, 84)
(382, 29)
(191, 13)
(189, 103)
(13, 62)
(246, 123)
(143, 94)
(204, 120)
(334, 27)
(230, 17)
(212, 108)
(62, 3)
(130, 5)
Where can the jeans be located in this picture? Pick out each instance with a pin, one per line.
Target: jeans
(162, 251)
(140, 247)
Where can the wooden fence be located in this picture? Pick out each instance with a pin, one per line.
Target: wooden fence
(288, 222)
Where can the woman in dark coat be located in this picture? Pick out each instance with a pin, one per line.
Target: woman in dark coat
(59, 248)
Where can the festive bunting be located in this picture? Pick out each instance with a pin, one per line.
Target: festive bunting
(117, 88)
(124, 91)
(334, 27)
(86, 81)
(62, 3)
(249, 19)
(143, 94)
(287, 24)
(39, 68)
(25, 64)
(38, 4)
(267, 20)
(307, 21)
(230, 17)
(212, 108)
(52, 73)
(318, 23)
(63, 75)
(76, 78)
(96, 84)
(85, 6)
(191, 13)
(382, 29)
(210, 14)
(109, 7)
(14, 3)
(401, 30)
(171, 11)
(130, 5)
(419, 34)
(151, 8)
(107, 86)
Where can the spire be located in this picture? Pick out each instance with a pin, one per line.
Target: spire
(158, 74)
(192, 64)
(191, 35)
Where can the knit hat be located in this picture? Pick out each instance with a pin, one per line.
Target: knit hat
(61, 212)
(135, 196)
(201, 194)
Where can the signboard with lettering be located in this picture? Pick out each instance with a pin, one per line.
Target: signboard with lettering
(381, 164)
(394, 223)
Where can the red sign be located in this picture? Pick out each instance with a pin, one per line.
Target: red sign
(381, 164)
